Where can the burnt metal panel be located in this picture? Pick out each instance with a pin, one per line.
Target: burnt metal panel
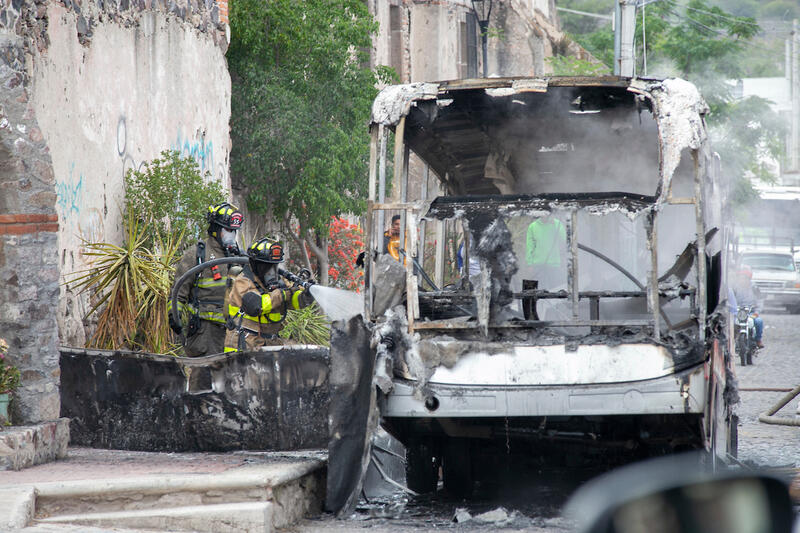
(352, 407)
(451, 206)
(554, 81)
(266, 400)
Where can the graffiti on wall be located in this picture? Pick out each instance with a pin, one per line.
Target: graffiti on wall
(77, 206)
(128, 162)
(87, 224)
(69, 194)
(201, 151)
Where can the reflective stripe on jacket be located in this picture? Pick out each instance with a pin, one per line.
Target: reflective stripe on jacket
(274, 305)
(210, 292)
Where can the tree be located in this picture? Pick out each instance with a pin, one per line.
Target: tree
(301, 99)
(705, 44)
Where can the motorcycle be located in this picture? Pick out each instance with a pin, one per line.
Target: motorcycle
(745, 331)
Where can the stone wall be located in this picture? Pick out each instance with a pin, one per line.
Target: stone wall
(28, 240)
(91, 89)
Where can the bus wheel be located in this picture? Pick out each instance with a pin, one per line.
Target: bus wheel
(422, 469)
(457, 468)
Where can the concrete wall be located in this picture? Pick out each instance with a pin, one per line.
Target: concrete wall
(128, 95)
(434, 42)
(267, 400)
(89, 91)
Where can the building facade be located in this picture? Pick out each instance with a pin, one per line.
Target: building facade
(442, 40)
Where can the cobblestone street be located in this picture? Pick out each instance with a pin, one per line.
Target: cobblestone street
(776, 366)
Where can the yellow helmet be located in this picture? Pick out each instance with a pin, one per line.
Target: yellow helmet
(225, 215)
(266, 251)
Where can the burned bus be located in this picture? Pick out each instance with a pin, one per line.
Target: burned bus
(561, 282)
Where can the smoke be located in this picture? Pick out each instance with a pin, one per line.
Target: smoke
(574, 141)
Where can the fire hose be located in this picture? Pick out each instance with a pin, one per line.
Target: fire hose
(769, 416)
(294, 278)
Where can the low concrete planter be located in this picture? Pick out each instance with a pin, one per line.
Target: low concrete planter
(276, 399)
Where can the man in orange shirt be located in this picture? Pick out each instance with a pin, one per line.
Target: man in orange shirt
(391, 239)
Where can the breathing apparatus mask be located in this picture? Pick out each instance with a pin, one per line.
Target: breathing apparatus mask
(266, 272)
(265, 256)
(224, 219)
(227, 239)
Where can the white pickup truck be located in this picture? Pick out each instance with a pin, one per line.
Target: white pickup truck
(776, 276)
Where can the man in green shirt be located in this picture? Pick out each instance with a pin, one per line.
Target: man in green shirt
(545, 252)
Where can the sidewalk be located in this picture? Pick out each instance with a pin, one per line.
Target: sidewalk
(106, 490)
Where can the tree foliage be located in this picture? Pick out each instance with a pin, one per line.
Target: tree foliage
(172, 192)
(301, 100)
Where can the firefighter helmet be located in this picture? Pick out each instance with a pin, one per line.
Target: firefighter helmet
(225, 215)
(266, 250)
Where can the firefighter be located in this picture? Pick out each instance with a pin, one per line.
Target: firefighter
(259, 300)
(202, 299)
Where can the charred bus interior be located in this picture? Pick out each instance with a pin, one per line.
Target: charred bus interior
(596, 343)
(587, 159)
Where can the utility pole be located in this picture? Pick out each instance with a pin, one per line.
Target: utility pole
(625, 27)
(794, 139)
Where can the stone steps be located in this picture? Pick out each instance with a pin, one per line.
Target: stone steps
(247, 499)
(230, 517)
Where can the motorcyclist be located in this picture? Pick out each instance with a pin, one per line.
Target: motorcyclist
(259, 300)
(202, 299)
(746, 296)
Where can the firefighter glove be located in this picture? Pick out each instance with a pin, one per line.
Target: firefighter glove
(251, 303)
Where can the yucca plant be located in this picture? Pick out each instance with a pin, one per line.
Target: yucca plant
(152, 326)
(130, 287)
(307, 326)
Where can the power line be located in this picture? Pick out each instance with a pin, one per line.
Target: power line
(701, 25)
(585, 13)
(734, 19)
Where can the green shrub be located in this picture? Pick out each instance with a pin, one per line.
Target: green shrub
(573, 66)
(307, 326)
(171, 191)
